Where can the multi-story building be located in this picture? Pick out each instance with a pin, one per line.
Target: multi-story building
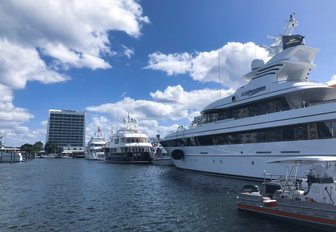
(66, 128)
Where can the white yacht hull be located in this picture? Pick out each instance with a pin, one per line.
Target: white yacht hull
(249, 160)
(92, 155)
(166, 161)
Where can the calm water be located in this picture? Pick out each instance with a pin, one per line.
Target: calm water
(81, 195)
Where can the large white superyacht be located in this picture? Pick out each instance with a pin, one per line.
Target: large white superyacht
(279, 112)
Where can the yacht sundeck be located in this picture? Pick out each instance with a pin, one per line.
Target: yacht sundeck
(278, 113)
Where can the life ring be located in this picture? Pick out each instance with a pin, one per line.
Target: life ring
(177, 154)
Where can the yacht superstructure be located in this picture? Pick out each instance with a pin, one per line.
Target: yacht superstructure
(278, 113)
(129, 145)
(94, 149)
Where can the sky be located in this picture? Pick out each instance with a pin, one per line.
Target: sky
(156, 60)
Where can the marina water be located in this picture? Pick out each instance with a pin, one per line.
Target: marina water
(81, 195)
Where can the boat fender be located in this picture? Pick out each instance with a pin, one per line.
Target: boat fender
(177, 154)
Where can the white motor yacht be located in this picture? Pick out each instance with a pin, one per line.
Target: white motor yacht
(94, 149)
(129, 145)
(279, 112)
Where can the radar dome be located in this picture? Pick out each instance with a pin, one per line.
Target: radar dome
(257, 63)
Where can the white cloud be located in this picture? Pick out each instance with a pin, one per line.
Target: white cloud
(172, 64)
(69, 34)
(17, 134)
(234, 59)
(168, 107)
(8, 112)
(66, 58)
(128, 52)
(20, 64)
(72, 32)
(195, 99)
(332, 80)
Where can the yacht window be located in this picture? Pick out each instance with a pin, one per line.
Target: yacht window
(192, 141)
(331, 127)
(318, 130)
(300, 133)
(249, 110)
(312, 131)
(116, 141)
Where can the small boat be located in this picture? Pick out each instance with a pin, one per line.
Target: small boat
(310, 201)
(160, 155)
(10, 155)
(49, 156)
(163, 160)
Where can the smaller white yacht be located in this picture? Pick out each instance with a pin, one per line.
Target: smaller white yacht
(129, 145)
(10, 155)
(160, 155)
(94, 149)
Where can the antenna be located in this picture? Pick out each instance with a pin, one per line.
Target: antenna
(277, 42)
(219, 76)
(5, 137)
(291, 24)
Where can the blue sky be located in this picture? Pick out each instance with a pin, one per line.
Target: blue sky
(157, 60)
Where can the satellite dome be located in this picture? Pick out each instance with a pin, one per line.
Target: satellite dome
(257, 63)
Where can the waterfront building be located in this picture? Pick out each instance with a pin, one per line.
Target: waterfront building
(66, 128)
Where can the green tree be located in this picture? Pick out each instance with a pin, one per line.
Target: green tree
(52, 148)
(59, 150)
(37, 147)
(27, 148)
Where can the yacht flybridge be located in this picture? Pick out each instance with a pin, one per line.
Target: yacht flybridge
(278, 113)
